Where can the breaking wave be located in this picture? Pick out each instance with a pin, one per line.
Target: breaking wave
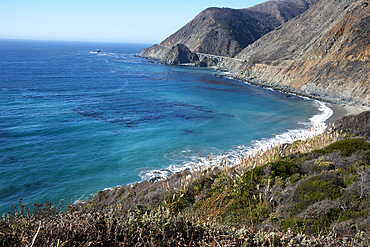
(315, 126)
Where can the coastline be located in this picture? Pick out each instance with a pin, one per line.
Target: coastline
(330, 111)
(179, 175)
(152, 185)
(317, 125)
(185, 172)
(344, 110)
(339, 109)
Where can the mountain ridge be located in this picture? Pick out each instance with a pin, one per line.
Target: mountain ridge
(226, 31)
(327, 57)
(323, 53)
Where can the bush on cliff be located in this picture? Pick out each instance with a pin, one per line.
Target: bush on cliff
(295, 199)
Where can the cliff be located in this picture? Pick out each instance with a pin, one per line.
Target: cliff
(321, 51)
(225, 31)
(308, 193)
(326, 56)
(179, 54)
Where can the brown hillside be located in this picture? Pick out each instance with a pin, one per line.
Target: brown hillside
(323, 53)
(225, 31)
(284, 11)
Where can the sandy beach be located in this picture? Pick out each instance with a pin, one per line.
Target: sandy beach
(344, 110)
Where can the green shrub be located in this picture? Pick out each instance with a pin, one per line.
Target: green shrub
(315, 189)
(295, 178)
(346, 147)
(348, 180)
(283, 169)
(327, 164)
(178, 201)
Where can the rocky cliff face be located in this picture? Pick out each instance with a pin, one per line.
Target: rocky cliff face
(225, 31)
(357, 125)
(155, 52)
(324, 53)
(179, 54)
(284, 11)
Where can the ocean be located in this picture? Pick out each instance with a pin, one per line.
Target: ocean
(74, 121)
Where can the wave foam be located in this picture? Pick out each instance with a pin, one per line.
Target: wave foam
(314, 127)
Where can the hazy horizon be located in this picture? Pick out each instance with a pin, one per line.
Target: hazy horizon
(97, 21)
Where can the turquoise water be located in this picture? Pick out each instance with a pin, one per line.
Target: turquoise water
(74, 122)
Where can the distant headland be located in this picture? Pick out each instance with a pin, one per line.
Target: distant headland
(319, 49)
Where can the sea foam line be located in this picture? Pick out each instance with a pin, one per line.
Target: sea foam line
(316, 126)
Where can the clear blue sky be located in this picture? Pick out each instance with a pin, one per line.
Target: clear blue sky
(144, 21)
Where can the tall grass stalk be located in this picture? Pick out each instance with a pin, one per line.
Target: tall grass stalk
(306, 143)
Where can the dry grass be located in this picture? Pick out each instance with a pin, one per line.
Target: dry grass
(275, 152)
(177, 222)
(142, 227)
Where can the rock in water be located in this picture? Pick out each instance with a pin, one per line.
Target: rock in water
(179, 54)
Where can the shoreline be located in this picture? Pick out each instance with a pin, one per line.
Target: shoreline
(338, 110)
(186, 172)
(186, 169)
(243, 150)
(344, 110)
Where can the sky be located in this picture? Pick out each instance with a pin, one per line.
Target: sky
(134, 21)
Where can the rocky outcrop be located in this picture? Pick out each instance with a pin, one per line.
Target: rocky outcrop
(324, 53)
(154, 52)
(225, 31)
(179, 54)
(283, 11)
(357, 125)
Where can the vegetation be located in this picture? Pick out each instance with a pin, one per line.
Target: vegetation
(345, 147)
(313, 192)
(242, 26)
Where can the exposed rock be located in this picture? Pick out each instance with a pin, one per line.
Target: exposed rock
(358, 125)
(210, 61)
(154, 52)
(317, 34)
(225, 31)
(201, 64)
(324, 53)
(179, 54)
(284, 11)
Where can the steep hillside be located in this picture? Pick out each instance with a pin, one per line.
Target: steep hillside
(283, 11)
(222, 31)
(311, 35)
(225, 31)
(179, 54)
(313, 192)
(324, 53)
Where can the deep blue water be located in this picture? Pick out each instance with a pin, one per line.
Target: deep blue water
(74, 122)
